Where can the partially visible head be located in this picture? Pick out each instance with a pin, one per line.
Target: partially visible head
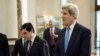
(69, 12)
(27, 31)
(51, 22)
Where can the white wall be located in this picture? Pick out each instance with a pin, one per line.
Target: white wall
(32, 12)
(48, 7)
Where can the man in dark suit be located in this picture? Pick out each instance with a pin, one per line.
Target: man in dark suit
(4, 47)
(51, 35)
(30, 44)
(74, 39)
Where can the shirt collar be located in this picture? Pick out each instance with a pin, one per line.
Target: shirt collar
(52, 27)
(72, 25)
(33, 38)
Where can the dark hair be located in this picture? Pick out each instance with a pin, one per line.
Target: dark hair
(28, 27)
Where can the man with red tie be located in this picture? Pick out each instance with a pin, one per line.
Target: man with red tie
(51, 35)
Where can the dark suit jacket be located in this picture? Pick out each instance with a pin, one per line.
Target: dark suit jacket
(4, 47)
(79, 43)
(39, 48)
(46, 35)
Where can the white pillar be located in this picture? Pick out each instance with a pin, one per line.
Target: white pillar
(12, 28)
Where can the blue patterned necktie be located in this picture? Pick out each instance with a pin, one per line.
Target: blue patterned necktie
(66, 38)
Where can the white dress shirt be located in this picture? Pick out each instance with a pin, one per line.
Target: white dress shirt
(53, 29)
(71, 29)
(32, 40)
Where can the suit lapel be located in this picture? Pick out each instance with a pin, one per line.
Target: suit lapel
(33, 47)
(21, 44)
(49, 31)
(62, 40)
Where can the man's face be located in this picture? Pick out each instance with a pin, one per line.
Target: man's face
(50, 24)
(67, 18)
(26, 34)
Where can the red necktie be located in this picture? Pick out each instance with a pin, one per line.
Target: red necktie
(51, 37)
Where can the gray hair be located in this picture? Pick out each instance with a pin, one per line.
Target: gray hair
(52, 20)
(72, 9)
